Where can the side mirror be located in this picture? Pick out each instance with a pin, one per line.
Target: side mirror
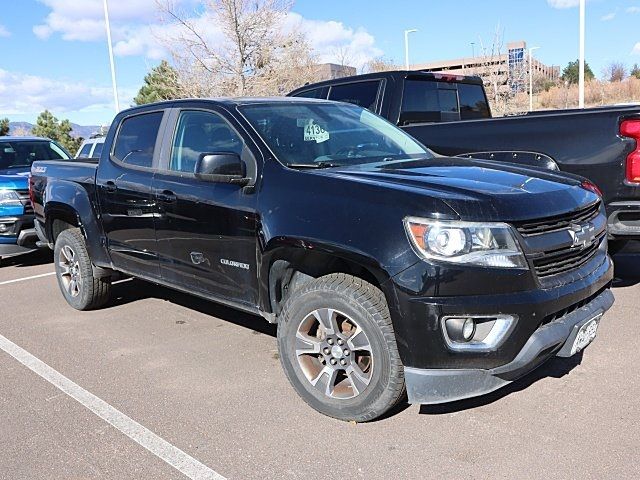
(221, 167)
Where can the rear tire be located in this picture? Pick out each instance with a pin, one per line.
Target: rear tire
(74, 272)
(338, 348)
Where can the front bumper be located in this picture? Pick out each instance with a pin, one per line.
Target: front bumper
(20, 238)
(431, 386)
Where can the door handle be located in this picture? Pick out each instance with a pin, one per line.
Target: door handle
(167, 196)
(110, 187)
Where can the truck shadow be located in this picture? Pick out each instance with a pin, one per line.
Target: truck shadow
(39, 257)
(131, 290)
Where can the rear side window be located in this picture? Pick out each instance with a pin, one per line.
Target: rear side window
(314, 93)
(98, 150)
(473, 103)
(363, 94)
(429, 101)
(84, 151)
(136, 139)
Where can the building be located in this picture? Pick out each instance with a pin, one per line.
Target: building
(509, 70)
(331, 71)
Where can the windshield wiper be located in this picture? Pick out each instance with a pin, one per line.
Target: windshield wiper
(313, 165)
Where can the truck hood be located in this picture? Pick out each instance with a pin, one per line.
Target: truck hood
(14, 181)
(477, 189)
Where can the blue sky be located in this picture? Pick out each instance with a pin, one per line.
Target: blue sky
(54, 54)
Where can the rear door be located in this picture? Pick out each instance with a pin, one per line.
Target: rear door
(207, 232)
(123, 185)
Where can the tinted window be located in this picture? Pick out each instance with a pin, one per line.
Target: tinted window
(200, 133)
(473, 103)
(136, 139)
(22, 153)
(84, 152)
(428, 101)
(98, 150)
(314, 93)
(363, 94)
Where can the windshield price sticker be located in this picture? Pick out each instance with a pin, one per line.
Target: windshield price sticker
(315, 133)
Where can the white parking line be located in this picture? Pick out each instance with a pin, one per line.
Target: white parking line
(6, 282)
(175, 457)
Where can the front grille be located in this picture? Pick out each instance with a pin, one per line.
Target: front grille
(565, 259)
(26, 201)
(558, 222)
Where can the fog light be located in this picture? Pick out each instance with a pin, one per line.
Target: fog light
(468, 329)
(4, 228)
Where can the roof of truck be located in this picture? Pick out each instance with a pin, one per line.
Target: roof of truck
(18, 139)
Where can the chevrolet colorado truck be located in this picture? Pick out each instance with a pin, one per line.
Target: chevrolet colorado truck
(390, 271)
(17, 233)
(451, 115)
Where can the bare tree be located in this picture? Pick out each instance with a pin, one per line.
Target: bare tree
(615, 72)
(380, 64)
(342, 55)
(236, 47)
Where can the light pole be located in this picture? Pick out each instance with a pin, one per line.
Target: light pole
(531, 77)
(581, 61)
(113, 68)
(406, 46)
(473, 49)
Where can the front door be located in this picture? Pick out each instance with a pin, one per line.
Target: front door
(127, 205)
(206, 231)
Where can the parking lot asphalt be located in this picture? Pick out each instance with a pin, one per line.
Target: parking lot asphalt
(207, 380)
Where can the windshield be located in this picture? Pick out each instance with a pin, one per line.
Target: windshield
(22, 153)
(326, 134)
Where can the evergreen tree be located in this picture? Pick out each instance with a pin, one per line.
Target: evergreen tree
(48, 126)
(161, 83)
(571, 72)
(4, 127)
(635, 71)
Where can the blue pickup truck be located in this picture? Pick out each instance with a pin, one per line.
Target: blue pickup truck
(17, 233)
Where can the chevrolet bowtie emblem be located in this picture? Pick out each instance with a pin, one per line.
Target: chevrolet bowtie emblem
(582, 235)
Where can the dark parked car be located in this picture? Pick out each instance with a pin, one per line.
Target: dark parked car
(17, 234)
(385, 267)
(451, 115)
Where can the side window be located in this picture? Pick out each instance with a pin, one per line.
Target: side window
(314, 93)
(136, 139)
(428, 101)
(97, 151)
(84, 151)
(473, 103)
(363, 94)
(201, 133)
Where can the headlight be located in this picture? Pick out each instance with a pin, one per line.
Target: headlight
(484, 244)
(10, 198)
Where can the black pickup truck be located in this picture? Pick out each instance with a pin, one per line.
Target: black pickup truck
(451, 115)
(388, 269)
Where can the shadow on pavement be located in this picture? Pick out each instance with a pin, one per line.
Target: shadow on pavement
(131, 290)
(627, 266)
(38, 257)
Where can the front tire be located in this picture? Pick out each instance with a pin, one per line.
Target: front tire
(74, 272)
(338, 348)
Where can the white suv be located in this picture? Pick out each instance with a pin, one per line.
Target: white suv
(91, 148)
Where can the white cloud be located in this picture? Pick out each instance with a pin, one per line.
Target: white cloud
(136, 28)
(563, 3)
(30, 94)
(4, 32)
(608, 17)
(636, 49)
(633, 10)
(332, 39)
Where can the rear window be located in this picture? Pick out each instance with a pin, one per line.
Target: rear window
(98, 150)
(429, 101)
(473, 103)
(363, 94)
(85, 150)
(22, 153)
(314, 93)
(136, 139)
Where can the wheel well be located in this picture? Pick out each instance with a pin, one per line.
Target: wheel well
(59, 225)
(286, 276)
